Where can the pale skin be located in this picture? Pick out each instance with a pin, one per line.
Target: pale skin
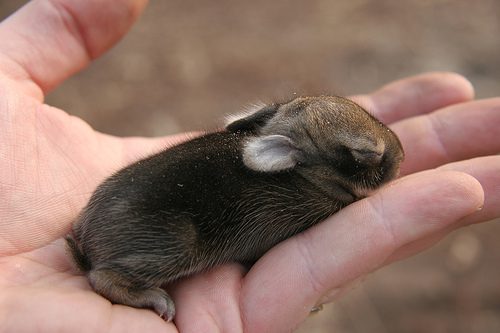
(50, 162)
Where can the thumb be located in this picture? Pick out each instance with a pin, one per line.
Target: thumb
(46, 41)
(293, 277)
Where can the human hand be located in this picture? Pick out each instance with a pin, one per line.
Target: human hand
(50, 163)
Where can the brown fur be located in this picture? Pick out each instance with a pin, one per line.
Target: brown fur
(229, 196)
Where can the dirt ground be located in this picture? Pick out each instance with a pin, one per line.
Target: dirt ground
(188, 63)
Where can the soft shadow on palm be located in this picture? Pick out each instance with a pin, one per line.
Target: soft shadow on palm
(45, 284)
(60, 297)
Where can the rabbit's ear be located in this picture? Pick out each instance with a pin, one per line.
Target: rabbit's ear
(270, 153)
(251, 120)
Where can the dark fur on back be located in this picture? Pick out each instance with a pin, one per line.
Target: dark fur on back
(183, 218)
(229, 196)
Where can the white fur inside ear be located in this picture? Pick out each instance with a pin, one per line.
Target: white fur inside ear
(251, 109)
(269, 153)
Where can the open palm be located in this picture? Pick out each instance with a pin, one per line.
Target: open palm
(50, 162)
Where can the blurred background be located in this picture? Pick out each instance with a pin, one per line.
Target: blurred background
(188, 63)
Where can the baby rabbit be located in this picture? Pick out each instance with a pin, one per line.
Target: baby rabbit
(229, 196)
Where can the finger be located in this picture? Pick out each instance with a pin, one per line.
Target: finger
(455, 133)
(287, 282)
(487, 171)
(212, 298)
(416, 95)
(48, 40)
